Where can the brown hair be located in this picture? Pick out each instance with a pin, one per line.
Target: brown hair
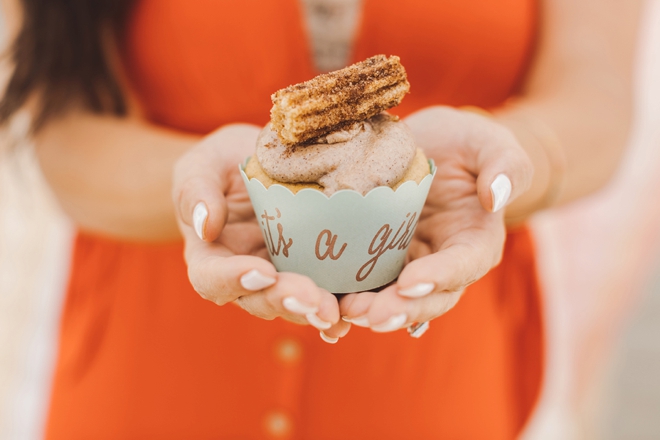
(59, 55)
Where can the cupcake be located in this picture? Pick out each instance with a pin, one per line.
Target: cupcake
(336, 183)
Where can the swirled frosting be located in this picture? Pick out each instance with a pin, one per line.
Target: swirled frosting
(371, 153)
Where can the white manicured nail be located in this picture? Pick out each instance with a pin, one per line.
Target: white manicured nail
(417, 330)
(200, 214)
(328, 339)
(360, 321)
(394, 323)
(418, 290)
(255, 281)
(500, 189)
(295, 306)
(317, 322)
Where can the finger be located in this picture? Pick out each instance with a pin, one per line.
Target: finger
(201, 204)
(503, 167)
(224, 279)
(336, 332)
(418, 249)
(296, 297)
(242, 239)
(198, 191)
(203, 175)
(465, 258)
(493, 149)
(328, 313)
(354, 307)
(390, 311)
(432, 306)
(285, 301)
(366, 310)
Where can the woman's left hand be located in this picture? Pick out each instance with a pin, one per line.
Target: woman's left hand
(460, 236)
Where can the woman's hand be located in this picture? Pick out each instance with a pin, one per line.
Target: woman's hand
(461, 232)
(224, 249)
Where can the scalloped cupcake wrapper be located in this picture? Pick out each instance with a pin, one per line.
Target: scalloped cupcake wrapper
(346, 242)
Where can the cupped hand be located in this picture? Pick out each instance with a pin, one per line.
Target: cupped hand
(461, 232)
(224, 249)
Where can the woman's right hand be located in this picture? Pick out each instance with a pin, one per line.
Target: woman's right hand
(224, 248)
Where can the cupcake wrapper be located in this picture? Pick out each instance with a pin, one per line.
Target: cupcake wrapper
(346, 242)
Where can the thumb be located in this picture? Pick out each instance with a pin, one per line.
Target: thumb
(201, 178)
(504, 171)
(201, 204)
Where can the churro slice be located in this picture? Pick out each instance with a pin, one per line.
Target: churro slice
(335, 100)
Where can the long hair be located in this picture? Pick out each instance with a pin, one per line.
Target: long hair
(59, 56)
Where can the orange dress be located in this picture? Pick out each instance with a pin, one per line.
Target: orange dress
(142, 356)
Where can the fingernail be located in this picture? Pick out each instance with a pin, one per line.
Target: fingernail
(360, 321)
(295, 306)
(500, 189)
(255, 280)
(417, 330)
(328, 339)
(200, 213)
(418, 290)
(317, 322)
(394, 323)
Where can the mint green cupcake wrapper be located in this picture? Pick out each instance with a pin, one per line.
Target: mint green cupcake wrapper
(346, 242)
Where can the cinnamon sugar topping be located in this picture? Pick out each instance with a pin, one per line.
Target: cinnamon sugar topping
(336, 100)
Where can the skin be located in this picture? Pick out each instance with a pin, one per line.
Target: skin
(458, 239)
(582, 72)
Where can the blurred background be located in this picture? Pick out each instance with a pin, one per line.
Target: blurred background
(599, 263)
